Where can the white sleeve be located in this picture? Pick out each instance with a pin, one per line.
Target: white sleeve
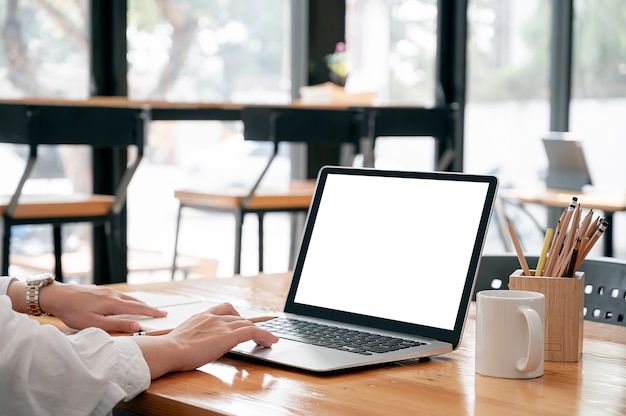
(44, 372)
(4, 284)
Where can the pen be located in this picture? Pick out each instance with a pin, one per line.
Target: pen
(156, 332)
(571, 269)
(518, 249)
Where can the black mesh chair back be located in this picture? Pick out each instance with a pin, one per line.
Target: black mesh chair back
(605, 283)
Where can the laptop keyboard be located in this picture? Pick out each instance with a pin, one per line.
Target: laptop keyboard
(359, 342)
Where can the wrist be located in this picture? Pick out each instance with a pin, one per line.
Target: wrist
(16, 291)
(160, 363)
(50, 297)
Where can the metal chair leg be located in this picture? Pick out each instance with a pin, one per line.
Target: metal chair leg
(180, 208)
(6, 249)
(261, 216)
(58, 251)
(111, 243)
(239, 214)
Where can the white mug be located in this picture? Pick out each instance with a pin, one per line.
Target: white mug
(509, 333)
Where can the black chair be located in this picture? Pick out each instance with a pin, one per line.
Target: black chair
(605, 283)
(98, 126)
(275, 124)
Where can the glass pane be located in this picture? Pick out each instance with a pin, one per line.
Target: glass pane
(507, 109)
(392, 47)
(197, 51)
(44, 49)
(233, 50)
(44, 52)
(599, 88)
(598, 104)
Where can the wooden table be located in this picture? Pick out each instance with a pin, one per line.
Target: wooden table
(608, 202)
(442, 385)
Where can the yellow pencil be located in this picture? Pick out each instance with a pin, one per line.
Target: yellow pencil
(544, 252)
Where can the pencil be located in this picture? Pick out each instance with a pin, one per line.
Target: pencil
(584, 226)
(566, 250)
(544, 252)
(575, 225)
(563, 263)
(594, 239)
(558, 243)
(518, 249)
(593, 227)
(552, 254)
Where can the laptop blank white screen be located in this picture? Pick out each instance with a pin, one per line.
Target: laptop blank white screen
(394, 248)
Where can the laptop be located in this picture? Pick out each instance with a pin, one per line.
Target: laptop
(567, 167)
(388, 258)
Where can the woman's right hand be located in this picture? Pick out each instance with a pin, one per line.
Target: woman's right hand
(201, 339)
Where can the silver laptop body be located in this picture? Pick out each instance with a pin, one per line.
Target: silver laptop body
(393, 253)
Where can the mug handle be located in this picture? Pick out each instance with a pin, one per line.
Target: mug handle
(535, 340)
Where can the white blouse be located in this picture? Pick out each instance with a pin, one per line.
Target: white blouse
(44, 372)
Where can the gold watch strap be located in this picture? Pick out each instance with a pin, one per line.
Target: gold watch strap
(32, 296)
(32, 301)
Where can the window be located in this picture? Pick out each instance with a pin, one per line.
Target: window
(44, 52)
(392, 48)
(599, 88)
(507, 109)
(226, 51)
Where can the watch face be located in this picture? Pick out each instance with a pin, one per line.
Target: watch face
(40, 279)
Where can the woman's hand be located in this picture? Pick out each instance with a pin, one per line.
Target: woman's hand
(82, 306)
(201, 339)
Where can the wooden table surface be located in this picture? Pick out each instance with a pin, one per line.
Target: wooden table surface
(442, 385)
(607, 201)
(164, 104)
(602, 200)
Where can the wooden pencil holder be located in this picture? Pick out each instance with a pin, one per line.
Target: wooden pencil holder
(564, 317)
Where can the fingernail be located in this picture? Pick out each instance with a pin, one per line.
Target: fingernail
(134, 327)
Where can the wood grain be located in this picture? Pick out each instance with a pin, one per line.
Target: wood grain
(442, 385)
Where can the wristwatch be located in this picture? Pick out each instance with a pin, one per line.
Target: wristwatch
(33, 286)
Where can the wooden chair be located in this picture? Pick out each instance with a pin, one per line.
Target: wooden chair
(605, 283)
(100, 127)
(279, 124)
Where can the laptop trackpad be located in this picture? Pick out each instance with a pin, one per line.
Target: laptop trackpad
(280, 348)
(297, 354)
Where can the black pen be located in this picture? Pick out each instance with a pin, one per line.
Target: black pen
(571, 269)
